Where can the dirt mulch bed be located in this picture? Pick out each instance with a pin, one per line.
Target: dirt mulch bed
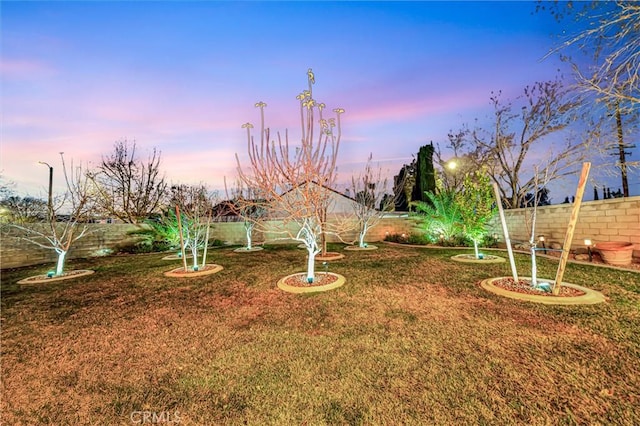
(329, 256)
(297, 283)
(300, 280)
(209, 268)
(524, 287)
(37, 279)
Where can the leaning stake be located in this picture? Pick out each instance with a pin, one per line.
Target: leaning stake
(566, 247)
(505, 231)
(184, 255)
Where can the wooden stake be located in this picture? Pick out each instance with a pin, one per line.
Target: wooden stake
(206, 240)
(184, 255)
(566, 247)
(505, 231)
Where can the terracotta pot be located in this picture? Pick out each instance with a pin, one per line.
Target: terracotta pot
(615, 252)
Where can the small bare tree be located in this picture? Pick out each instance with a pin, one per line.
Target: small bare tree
(62, 230)
(295, 179)
(194, 214)
(249, 205)
(22, 210)
(370, 192)
(129, 188)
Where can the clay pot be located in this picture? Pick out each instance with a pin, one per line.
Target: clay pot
(615, 252)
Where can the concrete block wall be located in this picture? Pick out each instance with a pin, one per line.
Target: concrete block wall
(616, 219)
(604, 220)
(101, 239)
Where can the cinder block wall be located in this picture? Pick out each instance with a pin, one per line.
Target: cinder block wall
(605, 220)
(103, 238)
(99, 240)
(615, 219)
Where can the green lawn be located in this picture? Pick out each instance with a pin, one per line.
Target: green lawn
(411, 338)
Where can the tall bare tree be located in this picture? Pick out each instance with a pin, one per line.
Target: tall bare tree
(129, 188)
(546, 109)
(609, 36)
(295, 178)
(604, 53)
(67, 224)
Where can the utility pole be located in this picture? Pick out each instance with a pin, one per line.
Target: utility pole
(50, 202)
(621, 152)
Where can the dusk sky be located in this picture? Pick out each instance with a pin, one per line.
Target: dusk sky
(184, 76)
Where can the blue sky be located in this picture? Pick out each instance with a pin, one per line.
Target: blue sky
(184, 76)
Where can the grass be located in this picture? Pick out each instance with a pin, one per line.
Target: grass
(411, 338)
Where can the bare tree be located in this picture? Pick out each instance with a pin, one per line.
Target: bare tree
(610, 36)
(370, 191)
(6, 188)
(63, 230)
(295, 179)
(547, 110)
(195, 213)
(248, 204)
(604, 54)
(129, 188)
(22, 210)
(465, 159)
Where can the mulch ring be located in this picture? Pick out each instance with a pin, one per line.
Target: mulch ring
(209, 268)
(297, 283)
(37, 279)
(300, 280)
(524, 287)
(471, 258)
(329, 256)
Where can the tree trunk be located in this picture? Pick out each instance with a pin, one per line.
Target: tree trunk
(534, 268)
(248, 238)
(363, 234)
(311, 264)
(194, 254)
(62, 254)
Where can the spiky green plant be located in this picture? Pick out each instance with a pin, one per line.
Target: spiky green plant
(440, 217)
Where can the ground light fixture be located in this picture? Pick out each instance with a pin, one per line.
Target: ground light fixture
(588, 243)
(544, 247)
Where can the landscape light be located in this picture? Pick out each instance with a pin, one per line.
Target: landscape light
(544, 247)
(587, 242)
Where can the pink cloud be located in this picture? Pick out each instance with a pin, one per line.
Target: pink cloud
(24, 69)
